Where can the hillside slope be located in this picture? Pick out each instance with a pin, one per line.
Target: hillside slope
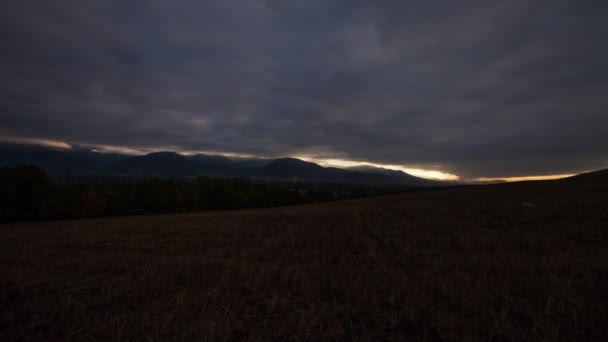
(599, 173)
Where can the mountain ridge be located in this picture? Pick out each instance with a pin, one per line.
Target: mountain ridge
(85, 162)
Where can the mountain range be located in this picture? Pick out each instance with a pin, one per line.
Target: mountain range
(86, 162)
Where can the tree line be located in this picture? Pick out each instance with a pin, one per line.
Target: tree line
(27, 193)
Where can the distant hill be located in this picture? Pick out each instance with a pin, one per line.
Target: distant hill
(397, 175)
(600, 173)
(249, 163)
(213, 161)
(82, 161)
(214, 165)
(292, 168)
(168, 164)
(57, 161)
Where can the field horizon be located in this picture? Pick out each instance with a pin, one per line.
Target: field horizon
(502, 262)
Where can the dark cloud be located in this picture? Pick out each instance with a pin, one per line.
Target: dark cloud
(476, 88)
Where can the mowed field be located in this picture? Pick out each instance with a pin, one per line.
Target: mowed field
(523, 261)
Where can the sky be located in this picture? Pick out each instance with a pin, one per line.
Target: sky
(457, 89)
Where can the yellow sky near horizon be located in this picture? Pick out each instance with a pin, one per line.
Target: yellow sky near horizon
(525, 178)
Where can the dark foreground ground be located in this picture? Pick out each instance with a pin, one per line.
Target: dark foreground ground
(526, 261)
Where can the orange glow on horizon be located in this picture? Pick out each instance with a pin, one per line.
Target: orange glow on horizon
(522, 178)
(428, 174)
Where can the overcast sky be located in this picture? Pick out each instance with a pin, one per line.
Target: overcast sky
(473, 88)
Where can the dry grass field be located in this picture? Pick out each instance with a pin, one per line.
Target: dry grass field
(522, 261)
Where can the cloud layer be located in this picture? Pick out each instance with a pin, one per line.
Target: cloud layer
(474, 88)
